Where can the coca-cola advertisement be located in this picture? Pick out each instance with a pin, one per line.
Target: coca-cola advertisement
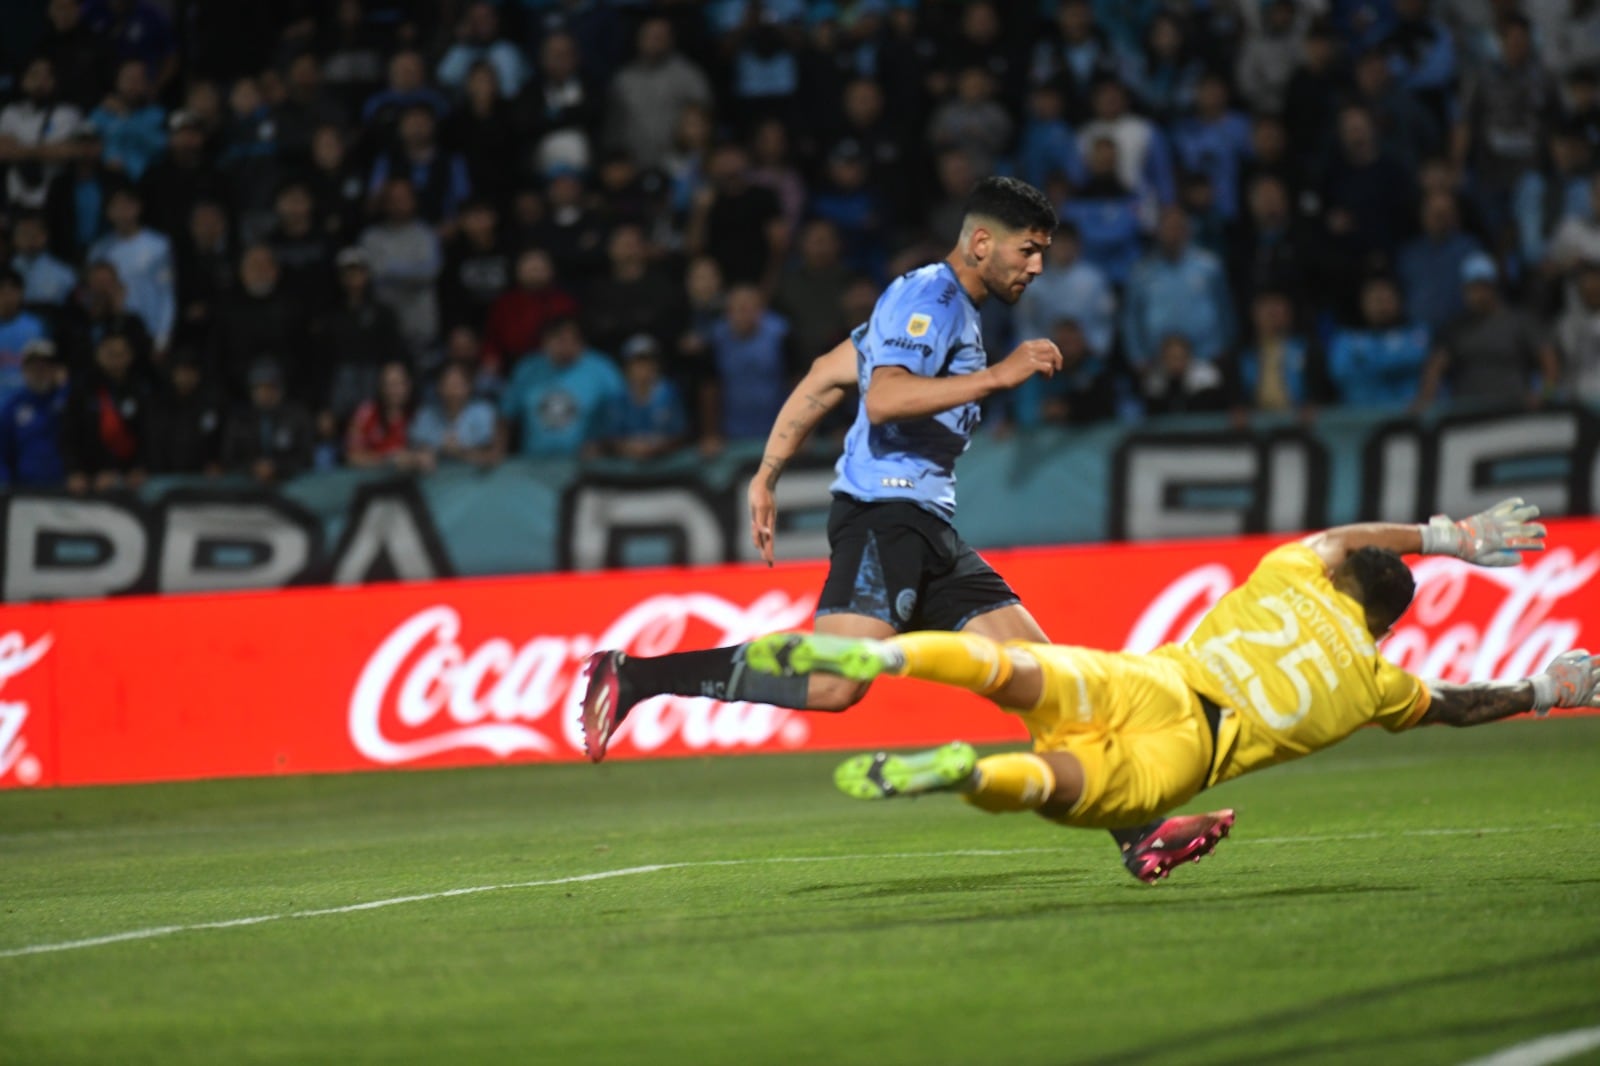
(490, 670)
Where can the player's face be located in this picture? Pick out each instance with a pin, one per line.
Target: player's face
(1014, 260)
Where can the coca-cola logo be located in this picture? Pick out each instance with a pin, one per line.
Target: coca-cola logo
(426, 690)
(16, 656)
(1467, 623)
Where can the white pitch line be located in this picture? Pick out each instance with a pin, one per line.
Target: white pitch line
(1556, 1047)
(632, 871)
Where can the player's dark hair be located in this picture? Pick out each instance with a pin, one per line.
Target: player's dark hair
(1013, 203)
(1382, 582)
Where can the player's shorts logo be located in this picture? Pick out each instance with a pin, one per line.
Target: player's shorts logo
(918, 325)
(905, 603)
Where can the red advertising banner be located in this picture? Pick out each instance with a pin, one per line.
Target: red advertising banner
(489, 670)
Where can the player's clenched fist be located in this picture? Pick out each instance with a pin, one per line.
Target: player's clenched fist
(1030, 358)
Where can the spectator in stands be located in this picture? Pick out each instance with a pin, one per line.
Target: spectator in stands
(207, 269)
(634, 297)
(687, 161)
(350, 343)
(353, 51)
(37, 134)
(380, 430)
(31, 422)
(648, 418)
(1501, 117)
(556, 400)
(519, 317)
(1144, 158)
(1270, 156)
(773, 168)
(478, 40)
(571, 231)
(438, 177)
(143, 261)
(337, 186)
(488, 133)
(1543, 198)
(858, 214)
(18, 329)
(138, 31)
(1267, 60)
(972, 121)
(272, 440)
(1430, 266)
(1378, 362)
(455, 427)
(404, 256)
(1422, 53)
(1577, 237)
(407, 87)
(1164, 73)
(1178, 382)
(1177, 289)
(1072, 55)
(1366, 194)
(738, 224)
(251, 158)
(560, 99)
(46, 280)
(101, 309)
(1273, 247)
(1311, 99)
(131, 125)
(104, 425)
(1080, 393)
(1048, 150)
(1108, 214)
(180, 176)
(303, 251)
(186, 423)
(1407, 130)
(261, 320)
(1070, 289)
(649, 92)
(1281, 369)
(83, 60)
(1215, 141)
(882, 146)
(750, 353)
(477, 266)
(306, 107)
(1491, 352)
(1578, 335)
(811, 291)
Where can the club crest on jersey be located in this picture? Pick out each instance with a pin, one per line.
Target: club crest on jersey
(918, 325)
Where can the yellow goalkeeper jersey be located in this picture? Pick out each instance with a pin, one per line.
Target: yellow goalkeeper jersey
(1289, 659)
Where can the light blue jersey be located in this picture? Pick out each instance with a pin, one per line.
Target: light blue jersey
(926, 323)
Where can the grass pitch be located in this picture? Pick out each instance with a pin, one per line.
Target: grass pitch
(1421, 899)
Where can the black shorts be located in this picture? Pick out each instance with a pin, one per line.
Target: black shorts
(899, 564)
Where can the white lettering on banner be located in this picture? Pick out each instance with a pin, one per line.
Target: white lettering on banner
(421, 678)
(1516, 639)
(16, 656)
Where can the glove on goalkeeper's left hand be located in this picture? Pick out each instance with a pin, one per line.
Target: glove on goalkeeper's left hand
(1496, 537)
(1571, 680)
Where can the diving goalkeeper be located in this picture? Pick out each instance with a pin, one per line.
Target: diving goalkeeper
(1282, 666)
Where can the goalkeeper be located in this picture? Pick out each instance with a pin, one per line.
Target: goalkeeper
(1282, 666)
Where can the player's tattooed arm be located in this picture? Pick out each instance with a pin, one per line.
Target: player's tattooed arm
(1571, 680)
(822, 389)
(1477, 703)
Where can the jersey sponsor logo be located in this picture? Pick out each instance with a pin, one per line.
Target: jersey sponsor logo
(919, 324)
(900, 342)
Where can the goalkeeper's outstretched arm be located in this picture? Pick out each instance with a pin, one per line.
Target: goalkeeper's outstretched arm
(1496, 537)
(1571, 680)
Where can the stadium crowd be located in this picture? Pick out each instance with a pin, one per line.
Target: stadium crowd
(267, 236)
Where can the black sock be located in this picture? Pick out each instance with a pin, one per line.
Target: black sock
(1127, 838)
(718, 672)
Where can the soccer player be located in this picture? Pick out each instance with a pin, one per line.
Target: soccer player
(1282, 666)
(897, 563)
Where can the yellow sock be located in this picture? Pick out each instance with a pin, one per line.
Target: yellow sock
(964, 660)
(1015, 781)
